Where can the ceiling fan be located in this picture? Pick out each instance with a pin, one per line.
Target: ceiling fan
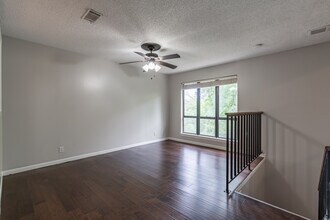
(153, 61)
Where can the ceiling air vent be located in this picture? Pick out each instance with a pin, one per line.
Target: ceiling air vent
(91, 15)
(318, 30)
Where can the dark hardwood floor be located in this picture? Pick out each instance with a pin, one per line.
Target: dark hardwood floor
(166, 180)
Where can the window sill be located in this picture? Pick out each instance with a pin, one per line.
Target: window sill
(203, 137)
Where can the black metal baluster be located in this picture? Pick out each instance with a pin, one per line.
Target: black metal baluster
(257, 135)
(235, 146)
(244, 133)
(252, 133)
(238, 143)
(231, 147)
(260, 133)
(227, 155)
(252, 147)
(198, 122)
(243, 143)
(249, 138)
(254, 137)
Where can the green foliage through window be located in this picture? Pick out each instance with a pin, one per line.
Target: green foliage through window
(227, 99)
(200, 114)
(190, 125)
(207, 127)
(190, 102)
(208, 101)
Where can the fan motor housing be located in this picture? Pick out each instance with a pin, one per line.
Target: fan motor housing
(152, 55)
(150, 46)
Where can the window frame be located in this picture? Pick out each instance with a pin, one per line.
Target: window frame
(198, 117)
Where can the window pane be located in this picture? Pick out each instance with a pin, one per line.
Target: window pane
(207, 127)
(190, 102)
(189, 125)
(207, 102)
(222, 128)
(227, 99)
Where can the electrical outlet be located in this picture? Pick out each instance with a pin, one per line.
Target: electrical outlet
(61, 149)
(154, 133)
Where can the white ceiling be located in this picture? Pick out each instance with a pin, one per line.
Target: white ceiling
(203, 32)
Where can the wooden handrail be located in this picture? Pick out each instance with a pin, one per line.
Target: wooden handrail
(243, 113)
(326, 149)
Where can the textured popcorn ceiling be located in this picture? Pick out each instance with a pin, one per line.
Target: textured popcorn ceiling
(203, 32)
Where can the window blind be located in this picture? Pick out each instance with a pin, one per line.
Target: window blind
(210, 82)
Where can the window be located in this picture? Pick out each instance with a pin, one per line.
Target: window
(205, 104)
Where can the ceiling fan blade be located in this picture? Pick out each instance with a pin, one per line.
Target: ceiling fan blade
(171, 56)
(141, 54)
(171, 66)
(131, 62)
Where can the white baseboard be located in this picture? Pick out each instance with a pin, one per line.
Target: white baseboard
(274, 206)
(78, 157)
(197, 143)
(241, 185)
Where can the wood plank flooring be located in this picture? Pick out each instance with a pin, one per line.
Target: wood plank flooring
(165, 180)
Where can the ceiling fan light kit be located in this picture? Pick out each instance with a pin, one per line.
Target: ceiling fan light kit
(154, 62)
(151, 66)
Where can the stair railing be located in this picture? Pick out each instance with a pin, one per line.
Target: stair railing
(243, 143)
(324, 187)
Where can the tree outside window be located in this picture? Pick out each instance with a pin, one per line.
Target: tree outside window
(204, 109)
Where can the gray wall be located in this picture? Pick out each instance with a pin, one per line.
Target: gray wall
(54, 97)
(292, 88)
(254, 186)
